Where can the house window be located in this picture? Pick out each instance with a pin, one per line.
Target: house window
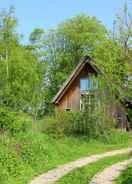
(68, 106)
(88, 87)
(87, 84)
(86, 100)
(67, 109)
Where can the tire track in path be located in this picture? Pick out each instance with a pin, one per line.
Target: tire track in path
(53, 175)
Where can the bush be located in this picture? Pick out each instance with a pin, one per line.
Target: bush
(92, 125)
(22, 123)
(12, 168)
(62, 123)
(5, 178)
(117, 137)
(13, 122)
(94, 121)
(96, 116)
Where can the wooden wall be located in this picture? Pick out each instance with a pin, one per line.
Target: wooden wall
(71, 98)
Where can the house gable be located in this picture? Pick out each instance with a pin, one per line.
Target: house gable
(70, 91)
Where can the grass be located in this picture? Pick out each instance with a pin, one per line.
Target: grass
(29, 154)
(85, 174)
(125, 177)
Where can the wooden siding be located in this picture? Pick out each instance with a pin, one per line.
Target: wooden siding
(71, 99)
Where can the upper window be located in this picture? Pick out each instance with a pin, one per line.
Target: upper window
(87, 84)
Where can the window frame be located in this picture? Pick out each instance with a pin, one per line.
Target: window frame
(87, 84)
(90, 85)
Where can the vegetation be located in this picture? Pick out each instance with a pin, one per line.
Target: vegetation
(28, 148)
(33, 137)
(32, 74)
(13, 122)
(85, 174)
(26, 155)
(95, 126)
(126, 176)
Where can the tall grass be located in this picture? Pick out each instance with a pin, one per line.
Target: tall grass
(55, 140)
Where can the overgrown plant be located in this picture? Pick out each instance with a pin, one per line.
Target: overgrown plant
(96, 116)
(95, 120)
(14, 122)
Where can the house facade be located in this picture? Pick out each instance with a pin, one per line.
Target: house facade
(80, 82)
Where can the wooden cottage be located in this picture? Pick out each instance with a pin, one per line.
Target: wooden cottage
(80, 82)
(69, 97)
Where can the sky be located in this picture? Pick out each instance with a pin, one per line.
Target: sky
(48, 14)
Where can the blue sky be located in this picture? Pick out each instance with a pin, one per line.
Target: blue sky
(49, 13)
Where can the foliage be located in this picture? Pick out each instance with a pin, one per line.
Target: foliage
(111, 64)
(60, 124)
(96, 115)
(14, 122)
(36, 39)
(123, 31)
(79, 124)
(36, 36)
(123, 36)
(117, 136)
(126, 176)
(20, 72)
(66, 45)
(30, 153)
(96, 120)
(11, 166)
(30, 76)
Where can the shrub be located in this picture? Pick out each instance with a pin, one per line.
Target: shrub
(62, 123)
(13, 122)
(6, 118)
(96, 116)
(22, 123)
(12, 168)
(34, 150)
(92, 125)
(5, 178)
(117, 137)
(94, 121)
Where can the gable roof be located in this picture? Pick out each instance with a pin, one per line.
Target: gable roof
(73, 76)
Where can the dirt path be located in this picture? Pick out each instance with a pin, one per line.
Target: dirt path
(53, 175)
(108, 175)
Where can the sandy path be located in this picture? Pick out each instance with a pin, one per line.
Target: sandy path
(53, 175)
(108, 175)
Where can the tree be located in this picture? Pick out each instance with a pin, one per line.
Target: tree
(36, 40)
(36, 36)
(123, 36)
(8, 36)
(67, 44)
(123, 31)
(21, 84)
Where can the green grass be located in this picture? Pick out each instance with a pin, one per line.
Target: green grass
(29, 154)
(125, 177)
(85, 174)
